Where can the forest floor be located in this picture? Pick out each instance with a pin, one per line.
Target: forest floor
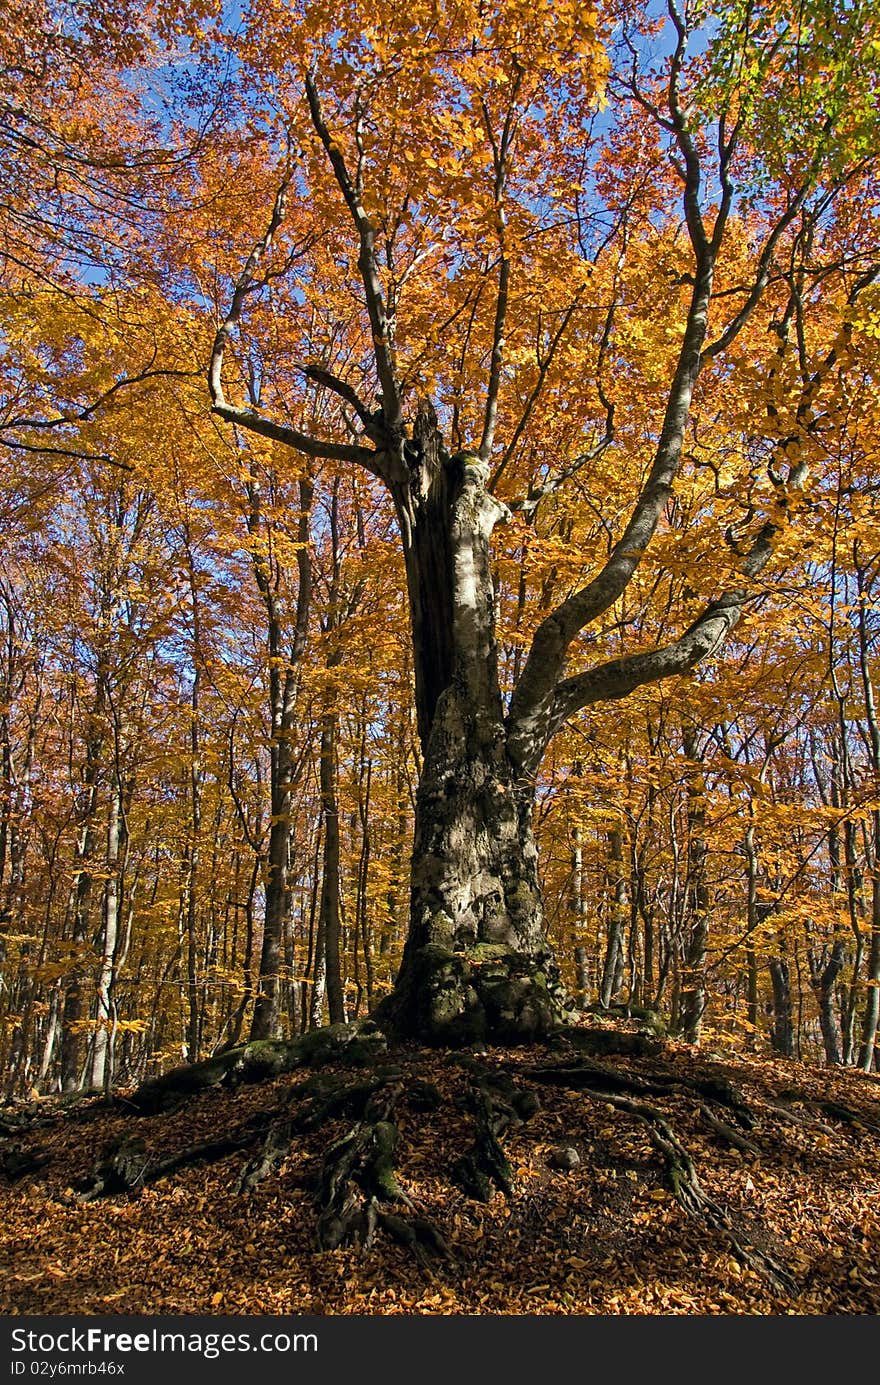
(787, 1161)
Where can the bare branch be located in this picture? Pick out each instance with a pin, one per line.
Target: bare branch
(324, 377)
(559, 478)
(83, 415)
(535, 393)
(44, 448)
(246, 283)
(533, 696)
(301, 442)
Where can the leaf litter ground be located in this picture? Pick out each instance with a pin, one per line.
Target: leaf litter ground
(786, 1160)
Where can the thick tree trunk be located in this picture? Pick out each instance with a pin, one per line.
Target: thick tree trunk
(476, 963)
(824, 979)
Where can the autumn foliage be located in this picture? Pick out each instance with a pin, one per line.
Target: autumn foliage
(237, 260)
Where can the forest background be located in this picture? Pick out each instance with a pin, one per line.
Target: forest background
(209, 749)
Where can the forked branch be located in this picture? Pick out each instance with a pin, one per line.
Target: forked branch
(248, 282)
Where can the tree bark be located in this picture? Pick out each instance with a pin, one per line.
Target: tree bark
(476, 962)
(782, 1031)
(329, 926)
(612, 971)
(871, 1016)
(693, 994)
(283, 688)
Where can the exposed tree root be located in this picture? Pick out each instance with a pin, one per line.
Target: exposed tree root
(16, 1163)
(330, 1096)
(419, 1236)
(276, 1147)
(358, 1192)
(586, 1072)
(125, 1166)
(605, 1042)
(686, 1188)
(847, 1116)
(726, 1132)
(357, 1176)
(680, 1173)
(804, 1121)
(497, 1104)
(720, 1090)
(347, 1045)
(593, 1076)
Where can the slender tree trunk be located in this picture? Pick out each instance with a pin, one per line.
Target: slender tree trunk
(109, 936)
(782, 1031)
(871, 1017)
(362, 929)
(283, 687)
(612, 970)
(693, 992)
(194, 998)
(319, 976)
(329, 922)
(73, 1009)
(578, 915)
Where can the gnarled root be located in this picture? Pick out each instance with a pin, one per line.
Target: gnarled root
(497, 1105)
(358, 1175)
(681, 1176)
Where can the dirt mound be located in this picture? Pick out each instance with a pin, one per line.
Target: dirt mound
(610, 1174)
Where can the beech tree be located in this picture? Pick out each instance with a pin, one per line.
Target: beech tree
(541, 475)
(445, 161)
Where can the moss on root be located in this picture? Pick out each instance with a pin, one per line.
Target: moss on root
(351, 1045)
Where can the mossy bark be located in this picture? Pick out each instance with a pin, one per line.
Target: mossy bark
(352, 1045)
(477, 964)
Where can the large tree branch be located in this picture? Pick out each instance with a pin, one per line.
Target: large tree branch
(310, 447)
(533, 697)
(348, 393)
(617, 678)
(369, 272)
